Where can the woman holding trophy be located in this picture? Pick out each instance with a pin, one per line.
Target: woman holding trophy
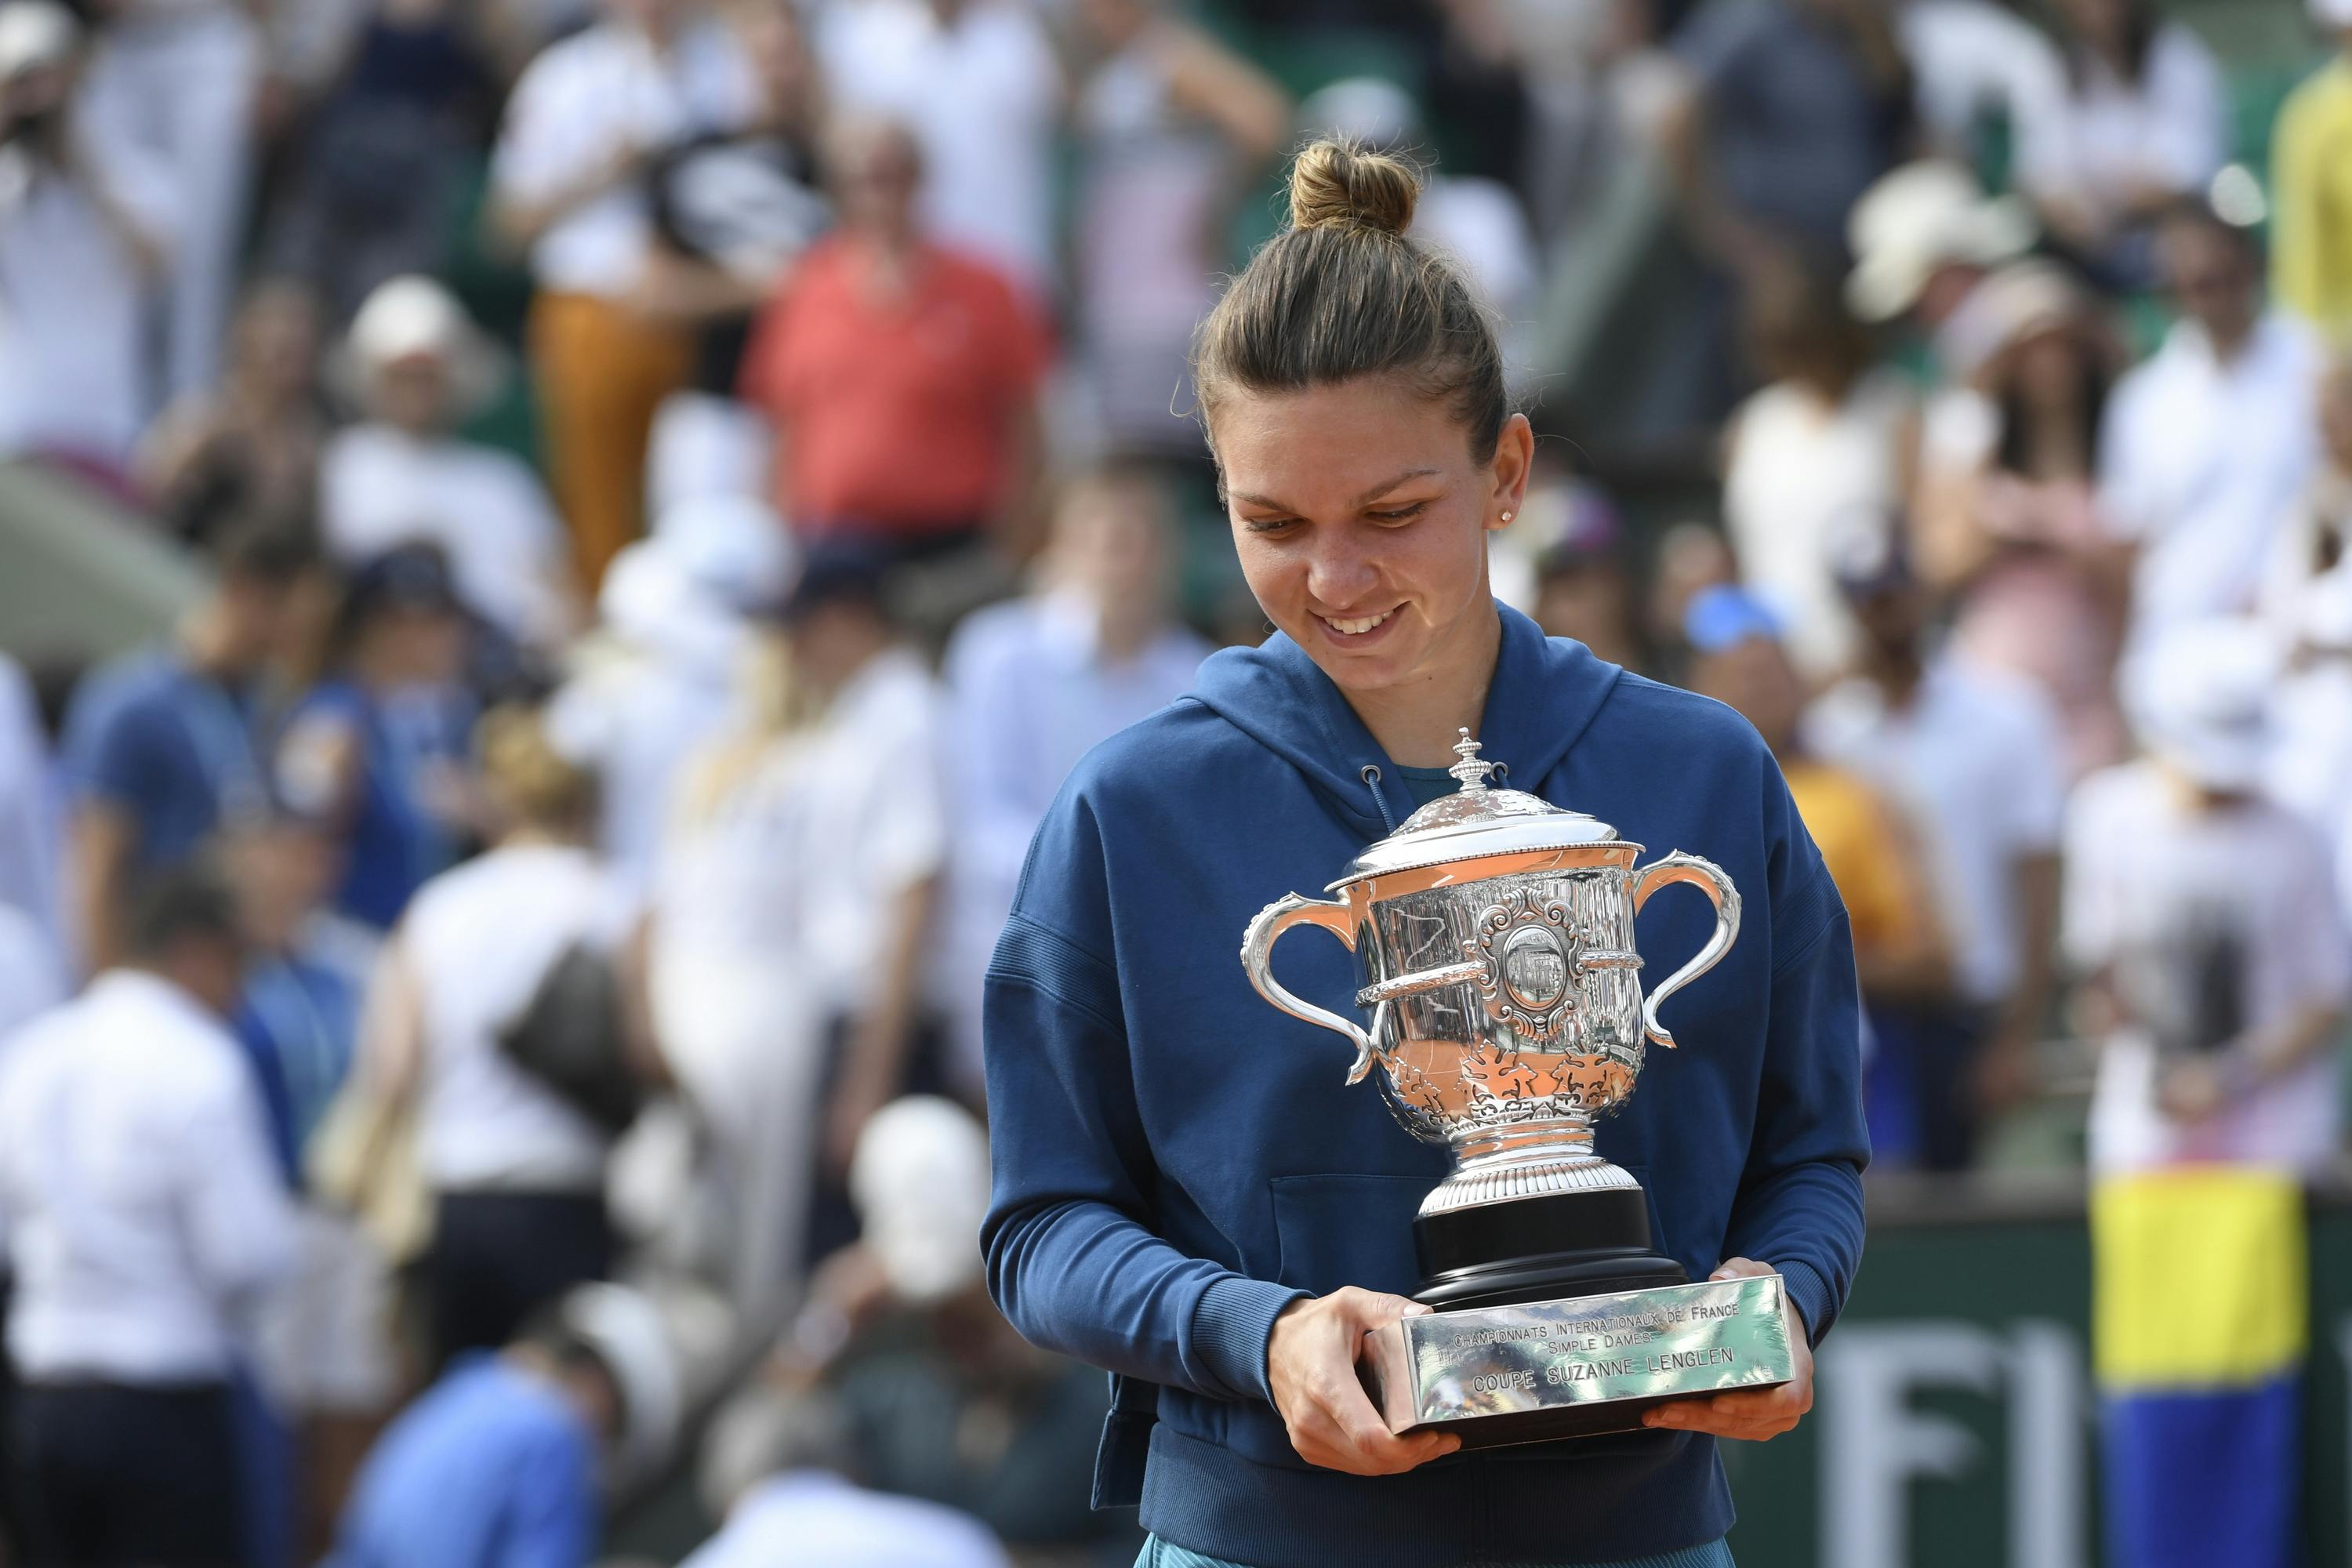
(1187, 1193)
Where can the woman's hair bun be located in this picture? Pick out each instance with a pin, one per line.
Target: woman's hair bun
(1336, 184)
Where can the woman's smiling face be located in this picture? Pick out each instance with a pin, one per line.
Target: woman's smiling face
(1361, 516)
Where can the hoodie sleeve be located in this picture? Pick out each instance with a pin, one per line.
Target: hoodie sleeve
(1073, 1261)
(1799, 1205)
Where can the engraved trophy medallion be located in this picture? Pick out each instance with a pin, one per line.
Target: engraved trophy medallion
(1494, 932)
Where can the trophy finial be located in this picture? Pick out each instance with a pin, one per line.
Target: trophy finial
(1470, 770)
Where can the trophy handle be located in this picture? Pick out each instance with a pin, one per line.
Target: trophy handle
(1709, 879)
(1257, 958)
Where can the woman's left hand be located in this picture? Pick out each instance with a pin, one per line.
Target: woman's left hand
(1757, 1414)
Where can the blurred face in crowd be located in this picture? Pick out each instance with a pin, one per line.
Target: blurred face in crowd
(1591, 601)
(413, 645)
(830, 642)
(1945, 291)
(276, 341)
(282, 869)
(2047, 370)
(1111, 24)
(655, 16)
(1892, 617)
(1755, 678)
(208, 967)
(1360, 517)
(256, 620)
(1691, 557)
(771, 36)
(1109, 544)
(412, 393)
(2211, 275)
(876, 170)
(1800, 331)
(2102, 24)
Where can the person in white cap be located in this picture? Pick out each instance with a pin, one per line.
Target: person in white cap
(417, 365)
(929, 1392)
(2207, 923)
(502, 1464)
(1923, 237)
(2311, 184)
(88, 221)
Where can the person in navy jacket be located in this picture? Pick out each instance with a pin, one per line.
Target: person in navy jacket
(1185, 1191)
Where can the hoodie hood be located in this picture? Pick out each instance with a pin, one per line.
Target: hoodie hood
(1544, 695)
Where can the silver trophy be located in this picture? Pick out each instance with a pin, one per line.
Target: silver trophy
(1494, 933)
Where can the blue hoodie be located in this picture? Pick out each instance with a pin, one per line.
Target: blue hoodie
(1176, 1162)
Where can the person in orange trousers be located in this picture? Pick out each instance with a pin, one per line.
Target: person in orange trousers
(584, 124)
(600, 370)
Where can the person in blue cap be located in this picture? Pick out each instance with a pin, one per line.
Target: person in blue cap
(1185, 1191)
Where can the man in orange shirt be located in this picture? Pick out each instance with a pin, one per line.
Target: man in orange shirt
(902, 378)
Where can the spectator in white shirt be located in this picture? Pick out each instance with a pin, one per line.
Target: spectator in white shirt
(179, 78)
(87, 220)
(2139, 125)
(1973, 759)
(2207, 446)
(1831, 437)
(788, 939)
(516, 1171)
(1978, 62)
(418, 367)
(143, 1217)
(2208, 924)
(569, 182)
(978, 83)
(1032, 686)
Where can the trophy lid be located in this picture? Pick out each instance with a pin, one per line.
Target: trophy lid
(1475, 820)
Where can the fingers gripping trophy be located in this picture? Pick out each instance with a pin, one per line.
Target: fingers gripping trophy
(1503, 1019)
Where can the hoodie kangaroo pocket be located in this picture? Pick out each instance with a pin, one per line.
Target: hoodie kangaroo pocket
(1335, 1230)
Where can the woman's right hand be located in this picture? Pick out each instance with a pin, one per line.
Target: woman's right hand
(1310, 1364)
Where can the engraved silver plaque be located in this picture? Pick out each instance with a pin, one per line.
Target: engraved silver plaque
(1571, 1368)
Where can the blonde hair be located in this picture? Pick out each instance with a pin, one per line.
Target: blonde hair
(533, 783)
(1345, 292)
(777, 704)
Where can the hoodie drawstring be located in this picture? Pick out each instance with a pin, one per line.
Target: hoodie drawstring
(1371, 773)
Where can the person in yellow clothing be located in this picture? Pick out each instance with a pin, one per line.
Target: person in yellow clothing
(2311, 181)
(1899, 951)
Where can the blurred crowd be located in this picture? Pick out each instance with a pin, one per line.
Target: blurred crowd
(494, 996)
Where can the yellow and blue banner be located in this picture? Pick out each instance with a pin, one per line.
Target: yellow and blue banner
(2201, 1323)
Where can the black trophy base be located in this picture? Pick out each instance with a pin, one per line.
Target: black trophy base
(1551, 1247)
(1543, 1248)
